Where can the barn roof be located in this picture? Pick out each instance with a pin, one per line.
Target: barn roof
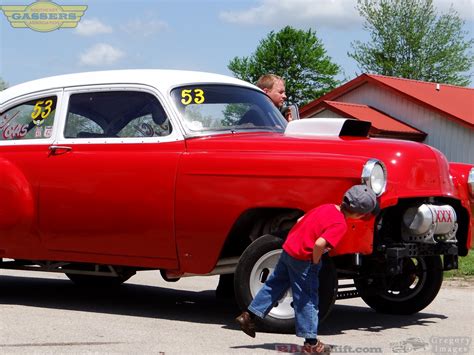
(454, 102)
(382, 124)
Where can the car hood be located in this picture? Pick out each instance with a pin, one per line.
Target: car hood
(412, 168)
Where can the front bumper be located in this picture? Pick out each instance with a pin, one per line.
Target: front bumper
(421, 228)
(394, 254)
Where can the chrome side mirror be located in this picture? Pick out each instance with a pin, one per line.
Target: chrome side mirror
(294, 112)
(290, 112)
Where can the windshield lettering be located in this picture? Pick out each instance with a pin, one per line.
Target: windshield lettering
(221, 108)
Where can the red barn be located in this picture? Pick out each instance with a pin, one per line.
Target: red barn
(437, 114)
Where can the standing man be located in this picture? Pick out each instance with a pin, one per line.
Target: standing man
(274, 86)
(318, 231)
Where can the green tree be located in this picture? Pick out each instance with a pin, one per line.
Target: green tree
(409, 39)
(296, 55)
(3, 84)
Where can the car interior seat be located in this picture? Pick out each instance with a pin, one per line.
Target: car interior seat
(253, 117)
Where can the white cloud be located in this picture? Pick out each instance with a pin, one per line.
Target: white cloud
(100, 54)
(465, 8)
(320, 13)
(328, 13)
(92, 27)
(144, 27)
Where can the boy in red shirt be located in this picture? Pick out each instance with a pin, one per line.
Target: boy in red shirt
(318, 231)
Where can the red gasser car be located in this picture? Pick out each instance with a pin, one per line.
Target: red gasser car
(108, 173)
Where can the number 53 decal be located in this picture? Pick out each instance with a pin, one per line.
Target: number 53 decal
(41, 111)
(192, 95)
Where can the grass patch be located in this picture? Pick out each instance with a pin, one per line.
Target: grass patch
(466, 266)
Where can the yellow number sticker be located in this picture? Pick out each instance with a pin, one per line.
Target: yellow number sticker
(199, 96)
(36, 110)
(187, 96)
(42, 108)
(47, 109)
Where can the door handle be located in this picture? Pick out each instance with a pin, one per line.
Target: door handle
(59, 149)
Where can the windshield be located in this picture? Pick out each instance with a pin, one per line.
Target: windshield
(217, 108)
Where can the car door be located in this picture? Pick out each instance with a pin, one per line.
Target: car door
(27, 124)
(108, 189)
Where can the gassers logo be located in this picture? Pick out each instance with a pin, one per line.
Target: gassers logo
(43, 15)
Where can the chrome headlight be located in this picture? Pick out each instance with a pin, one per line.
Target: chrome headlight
(374, 175)
(470, 182)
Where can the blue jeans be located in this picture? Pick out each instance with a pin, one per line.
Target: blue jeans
(303, 278)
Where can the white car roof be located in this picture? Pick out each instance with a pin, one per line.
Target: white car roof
(161, 79)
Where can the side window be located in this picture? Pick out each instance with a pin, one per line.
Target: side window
(31, 120)
(115, 114)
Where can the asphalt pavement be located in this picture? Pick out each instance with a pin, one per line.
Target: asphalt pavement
(44, 313)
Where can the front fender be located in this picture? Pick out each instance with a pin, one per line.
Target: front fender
(214, 188)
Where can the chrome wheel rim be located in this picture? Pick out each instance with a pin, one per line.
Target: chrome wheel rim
(262, 269)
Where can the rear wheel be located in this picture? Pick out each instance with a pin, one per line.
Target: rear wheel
(407, 293)
(255, 266)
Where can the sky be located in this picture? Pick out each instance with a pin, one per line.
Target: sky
(181, 34)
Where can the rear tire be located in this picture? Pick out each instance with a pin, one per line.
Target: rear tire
(257, 263)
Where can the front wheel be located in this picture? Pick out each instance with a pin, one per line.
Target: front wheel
(255, 266)
(407, 293)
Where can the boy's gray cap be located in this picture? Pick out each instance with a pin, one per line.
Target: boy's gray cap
(360, 199)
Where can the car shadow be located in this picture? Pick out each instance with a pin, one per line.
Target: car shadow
(128, 299)
(183, 305)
